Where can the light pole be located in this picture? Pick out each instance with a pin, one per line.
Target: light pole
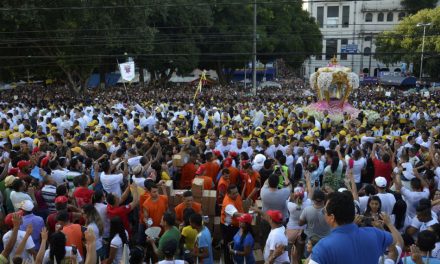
(424, 25)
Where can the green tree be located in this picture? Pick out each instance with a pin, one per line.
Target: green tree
(404, 42)
(413, 6)
(70, 37)
(284, 30)
(178, 26)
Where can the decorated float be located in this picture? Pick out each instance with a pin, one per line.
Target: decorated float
(333, 85)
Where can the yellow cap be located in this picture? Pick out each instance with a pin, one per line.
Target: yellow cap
(342, 133)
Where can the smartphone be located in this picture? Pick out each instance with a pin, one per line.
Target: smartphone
(74, 250)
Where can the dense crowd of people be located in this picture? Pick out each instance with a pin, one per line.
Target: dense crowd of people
(84, 177)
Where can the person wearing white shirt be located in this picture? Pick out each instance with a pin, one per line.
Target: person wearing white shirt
(276, 238)
(387, 199)
(412, 197)
(111, 182)
(26, 255)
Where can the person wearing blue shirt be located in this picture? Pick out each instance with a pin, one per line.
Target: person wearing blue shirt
(203, 246)
(348, 243)
(421, 251)
(243, 242)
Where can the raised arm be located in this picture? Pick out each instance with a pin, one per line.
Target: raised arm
(16, 220)
(42, 249)
(23, 242)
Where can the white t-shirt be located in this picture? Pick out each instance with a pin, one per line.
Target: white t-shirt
(97, 235)
(230, 210)
(276, 237)
(102, 211)
(59, 176)
(422, 226)
(18, 197)
(295, 212)
(138, 180)
(112, 183)
(20, 235)
(388, 202)
(412, 199)
(358, 165)
(134, 161)
(117, 243)
(68, 254)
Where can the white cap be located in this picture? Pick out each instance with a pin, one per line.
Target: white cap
(27, 205)
(259, 159)
(381, 182)
(342, 189)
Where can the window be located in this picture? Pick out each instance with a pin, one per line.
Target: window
(332, 16)
(331, 48)
(345, 16)
(369, 17)
(380, 17)
(401, 16)
(367, 51)
(344, 55)
(365, 70)
(390, 17)
(320, 15)
(367, 38)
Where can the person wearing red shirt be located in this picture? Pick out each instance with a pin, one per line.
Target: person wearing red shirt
(188, 173)
(222, 186)
(383, 167)
(211, 166)
(188, 202)
(251, 179)
(114, 207)
(83, 195)
(61, 205)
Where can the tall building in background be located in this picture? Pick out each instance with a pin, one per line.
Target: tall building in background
(349, 29)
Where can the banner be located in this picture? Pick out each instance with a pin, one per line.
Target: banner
(201, 82)
(127, 70)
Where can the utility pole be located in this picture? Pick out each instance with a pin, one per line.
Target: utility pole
(423, 46)
(371, 52)
(254, 52)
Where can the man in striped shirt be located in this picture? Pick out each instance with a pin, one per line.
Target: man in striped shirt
(49, 193)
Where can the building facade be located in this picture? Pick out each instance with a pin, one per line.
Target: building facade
(349, 29)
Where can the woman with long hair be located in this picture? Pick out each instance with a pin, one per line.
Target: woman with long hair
(94, 221)
(333, 172)
(58, 252)
(296, 205)
(374, 205)
(118, 238)
(243, 242)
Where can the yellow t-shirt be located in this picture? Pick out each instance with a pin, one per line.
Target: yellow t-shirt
(190, 235)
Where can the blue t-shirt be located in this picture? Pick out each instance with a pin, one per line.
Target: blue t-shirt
(248, 241)
(351, 244)
(204, 241)
(424, 260)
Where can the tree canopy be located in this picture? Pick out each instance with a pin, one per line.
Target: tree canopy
(413, 6)
(404, 42)
(71, 39)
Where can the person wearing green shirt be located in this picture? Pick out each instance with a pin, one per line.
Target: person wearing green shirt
(170, 233)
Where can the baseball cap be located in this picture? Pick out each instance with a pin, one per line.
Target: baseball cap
(245, 218)
(61, 199)
(23, 163)
(8, 218)
(9, 180)
(275, 215)
(227, 162)
(26, 205)
(137, 169)
(380, 182)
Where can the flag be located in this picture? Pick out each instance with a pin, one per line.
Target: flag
(201, 82)
(127, 70)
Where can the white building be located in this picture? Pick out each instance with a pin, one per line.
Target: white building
(344, 23)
